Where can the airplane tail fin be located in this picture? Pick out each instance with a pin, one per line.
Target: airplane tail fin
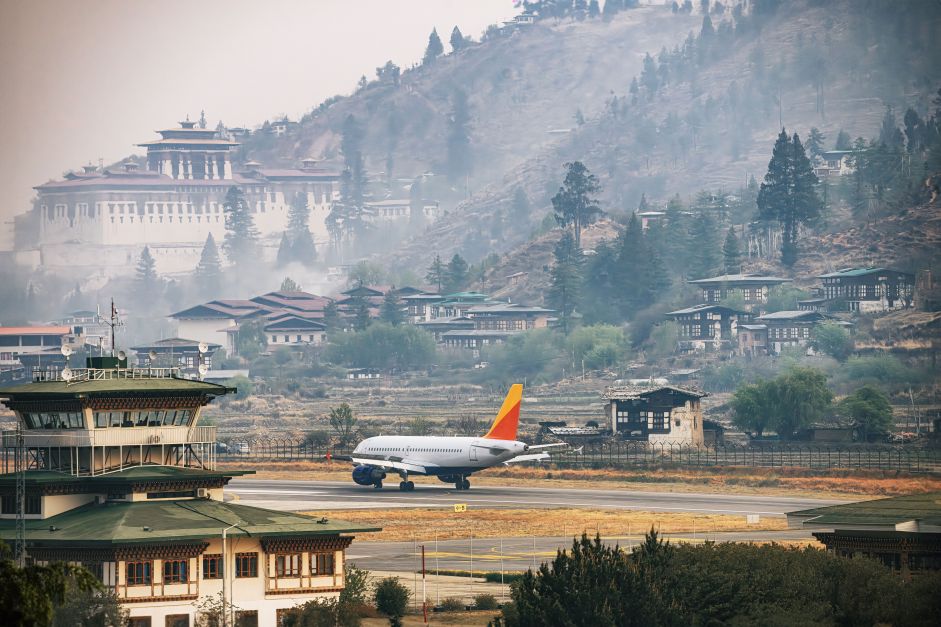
(506, 424)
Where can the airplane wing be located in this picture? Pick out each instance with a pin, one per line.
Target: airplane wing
(529, 457)
(392, 464)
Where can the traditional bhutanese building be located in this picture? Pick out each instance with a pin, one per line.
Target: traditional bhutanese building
(102, 219)
(121, 478)
(665, 415)
(902, 532)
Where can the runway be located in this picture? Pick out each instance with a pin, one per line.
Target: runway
(332, 495)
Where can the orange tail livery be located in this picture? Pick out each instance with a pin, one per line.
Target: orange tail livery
(508, 420)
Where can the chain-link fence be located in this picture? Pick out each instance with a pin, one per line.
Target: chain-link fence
(619, 454)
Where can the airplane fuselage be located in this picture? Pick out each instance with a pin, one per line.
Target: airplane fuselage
(441, 455)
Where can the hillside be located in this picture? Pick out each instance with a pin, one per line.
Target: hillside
(716, 128)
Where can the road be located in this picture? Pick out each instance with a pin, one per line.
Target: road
(331, 495)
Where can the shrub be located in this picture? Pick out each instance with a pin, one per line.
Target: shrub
(452, 604)
(392, 599)
(485, 602)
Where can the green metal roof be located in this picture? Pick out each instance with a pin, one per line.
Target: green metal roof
(852, 272)
(897, 510)
(149, 522)
(113, 386)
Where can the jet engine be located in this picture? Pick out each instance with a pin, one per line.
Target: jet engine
(368, 475)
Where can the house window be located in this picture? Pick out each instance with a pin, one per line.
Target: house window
(139, 621)
(274, 339)
(287, 339)
(139, 573)
(33, 504)
(246, 565)
(174, 571)
(298, 339)
(212, 566)
(287, 565)
(178, 620)
(321, 563)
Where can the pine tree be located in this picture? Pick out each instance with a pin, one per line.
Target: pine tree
(574, 204)
(648, 76)
(209, 270)
(459, 146)
(815, 142)
(889, 134)
(285, 253)
(566, 279)
(301, 242)
(676, 231)
(629, 273)
(289, 285)
(391, 310)
(457, 40)
(593, 10)
(436, 273)
(331, 315)
(704, 247)
(241, 236)
(843, 141)
(361, 316)
(146, 281)
(788, 194)
(731, 253)
(434, 49)
(456, 274)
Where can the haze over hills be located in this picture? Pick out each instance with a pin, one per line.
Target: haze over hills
(709, 124)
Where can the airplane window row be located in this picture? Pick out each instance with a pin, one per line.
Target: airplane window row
(415, 450)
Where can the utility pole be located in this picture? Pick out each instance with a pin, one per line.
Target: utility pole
(19, 467)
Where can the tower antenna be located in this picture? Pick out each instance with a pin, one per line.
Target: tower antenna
(113, 322)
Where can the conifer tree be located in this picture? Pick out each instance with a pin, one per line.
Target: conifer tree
(815, 142)
(456, 274)
(209, 270)
(788, 193)
(146, 280)
(289, 285)
(302, 247)
(843, 141)
(676, 231)
(361, 317)
(574, 203)
(285, 253)
(331, 315)
(593, 9)
(391, 310)
(704, 247)
(731, 253)
(459, 145)
(457, 40)
(565, 277)
(434, 49)
(648, 75)
(436, 273)
(241, 236)
(630, 280)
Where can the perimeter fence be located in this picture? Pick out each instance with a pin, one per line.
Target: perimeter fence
(621, 454)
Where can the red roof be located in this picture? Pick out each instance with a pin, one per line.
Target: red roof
(56, 330)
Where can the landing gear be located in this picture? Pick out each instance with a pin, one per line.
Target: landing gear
(378, 485)
(462, 484)
(406, 486)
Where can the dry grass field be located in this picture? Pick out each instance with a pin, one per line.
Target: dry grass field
(792, 481)
(409, 524)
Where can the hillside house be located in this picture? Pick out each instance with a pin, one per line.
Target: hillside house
(868, 290)
(439, 326)
(789, 328)
(753, 288)
(419, 306)
(37, 346)
(655, 414)
(834, 163)
(509, 317)
(707, 327)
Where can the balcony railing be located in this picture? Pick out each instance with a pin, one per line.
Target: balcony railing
(103, 374)
(115, 436)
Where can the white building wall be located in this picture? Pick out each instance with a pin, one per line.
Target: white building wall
(209, 330)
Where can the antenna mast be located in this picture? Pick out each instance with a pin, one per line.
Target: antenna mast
(112, 323)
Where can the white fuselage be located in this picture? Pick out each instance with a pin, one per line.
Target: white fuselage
(441, 455)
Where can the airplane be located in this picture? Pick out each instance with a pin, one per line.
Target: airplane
(452, 459)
